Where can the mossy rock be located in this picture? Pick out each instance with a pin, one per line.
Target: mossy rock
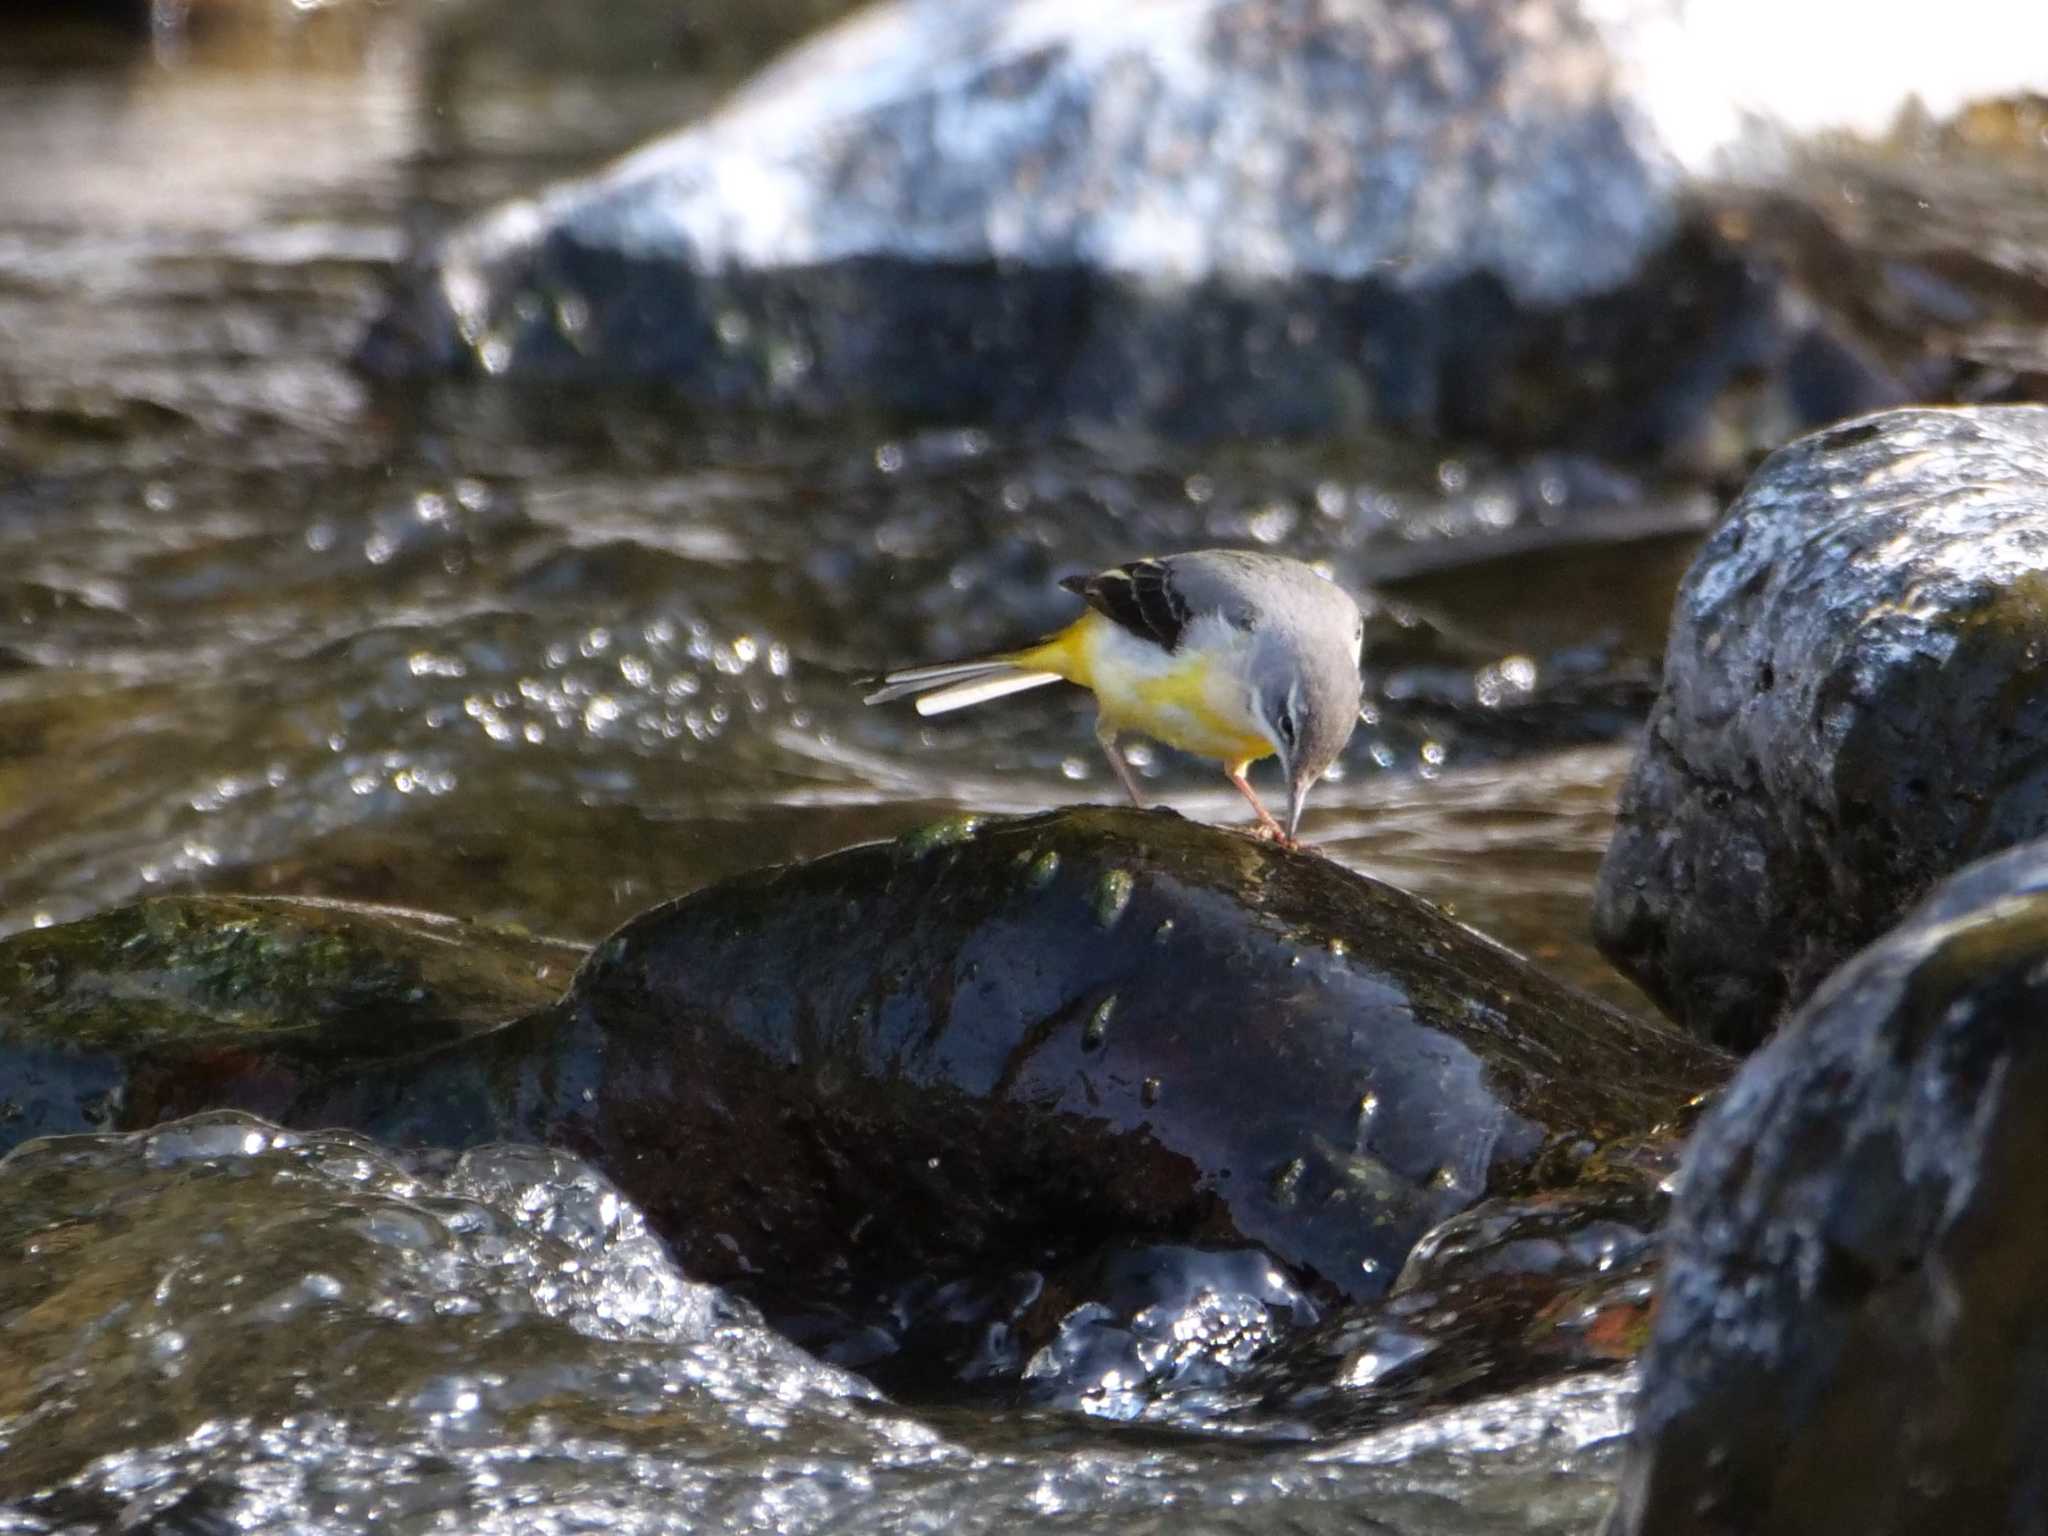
(241, 994)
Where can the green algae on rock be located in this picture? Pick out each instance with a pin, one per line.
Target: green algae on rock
(904, 1059)
(247, 993)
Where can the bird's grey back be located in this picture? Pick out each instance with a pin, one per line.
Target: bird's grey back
(1255, 590)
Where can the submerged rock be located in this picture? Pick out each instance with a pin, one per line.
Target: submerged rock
(1161, 1333)
(1851, 709)
(1012, 1042)
(1850, 1336)
(1226, 216)
(188, 1002)
(1529, 1287)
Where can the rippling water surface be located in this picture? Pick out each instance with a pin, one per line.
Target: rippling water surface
(550, 659)
(221, 1326)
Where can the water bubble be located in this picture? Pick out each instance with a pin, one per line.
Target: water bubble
(938, 834)
(1284, 1186)
(1387, 1351)
(1097, 1028)
(1112, 895)
(1271, 523)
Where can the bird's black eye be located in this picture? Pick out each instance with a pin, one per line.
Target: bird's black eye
(1284, 724)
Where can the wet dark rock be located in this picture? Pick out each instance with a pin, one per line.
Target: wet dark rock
(187, 1002)
(1239, 216)
(1520, 1290)
(1851, 709)
(883, 1091)
(1013, 1042)
(1850, 1336)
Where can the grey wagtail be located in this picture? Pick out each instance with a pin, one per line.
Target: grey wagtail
(1222, 653)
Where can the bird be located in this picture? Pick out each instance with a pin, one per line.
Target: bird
(1227, 654)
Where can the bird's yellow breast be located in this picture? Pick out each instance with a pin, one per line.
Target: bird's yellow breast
(1194, 698)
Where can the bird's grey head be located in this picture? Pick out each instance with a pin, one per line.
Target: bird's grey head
(1310, 690)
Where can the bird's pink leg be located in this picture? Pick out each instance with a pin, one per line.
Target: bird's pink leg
(1107, 736)
(1268, 827)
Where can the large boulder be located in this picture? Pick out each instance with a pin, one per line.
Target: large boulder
(1851, 709)
(1006, 1043)
(988, 1050)
(1851, 1336)
(1242, 215)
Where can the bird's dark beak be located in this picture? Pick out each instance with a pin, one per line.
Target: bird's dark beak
(1298, 786)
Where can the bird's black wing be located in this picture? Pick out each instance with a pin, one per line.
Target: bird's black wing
(1139, 595)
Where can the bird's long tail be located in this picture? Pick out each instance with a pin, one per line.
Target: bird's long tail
(950, 685)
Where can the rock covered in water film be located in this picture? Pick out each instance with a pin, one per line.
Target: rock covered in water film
(1850, 1337)
(1013, 1041)
(897, 1093)
(181, 1003)
(1226, 216)
(1852, 707)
